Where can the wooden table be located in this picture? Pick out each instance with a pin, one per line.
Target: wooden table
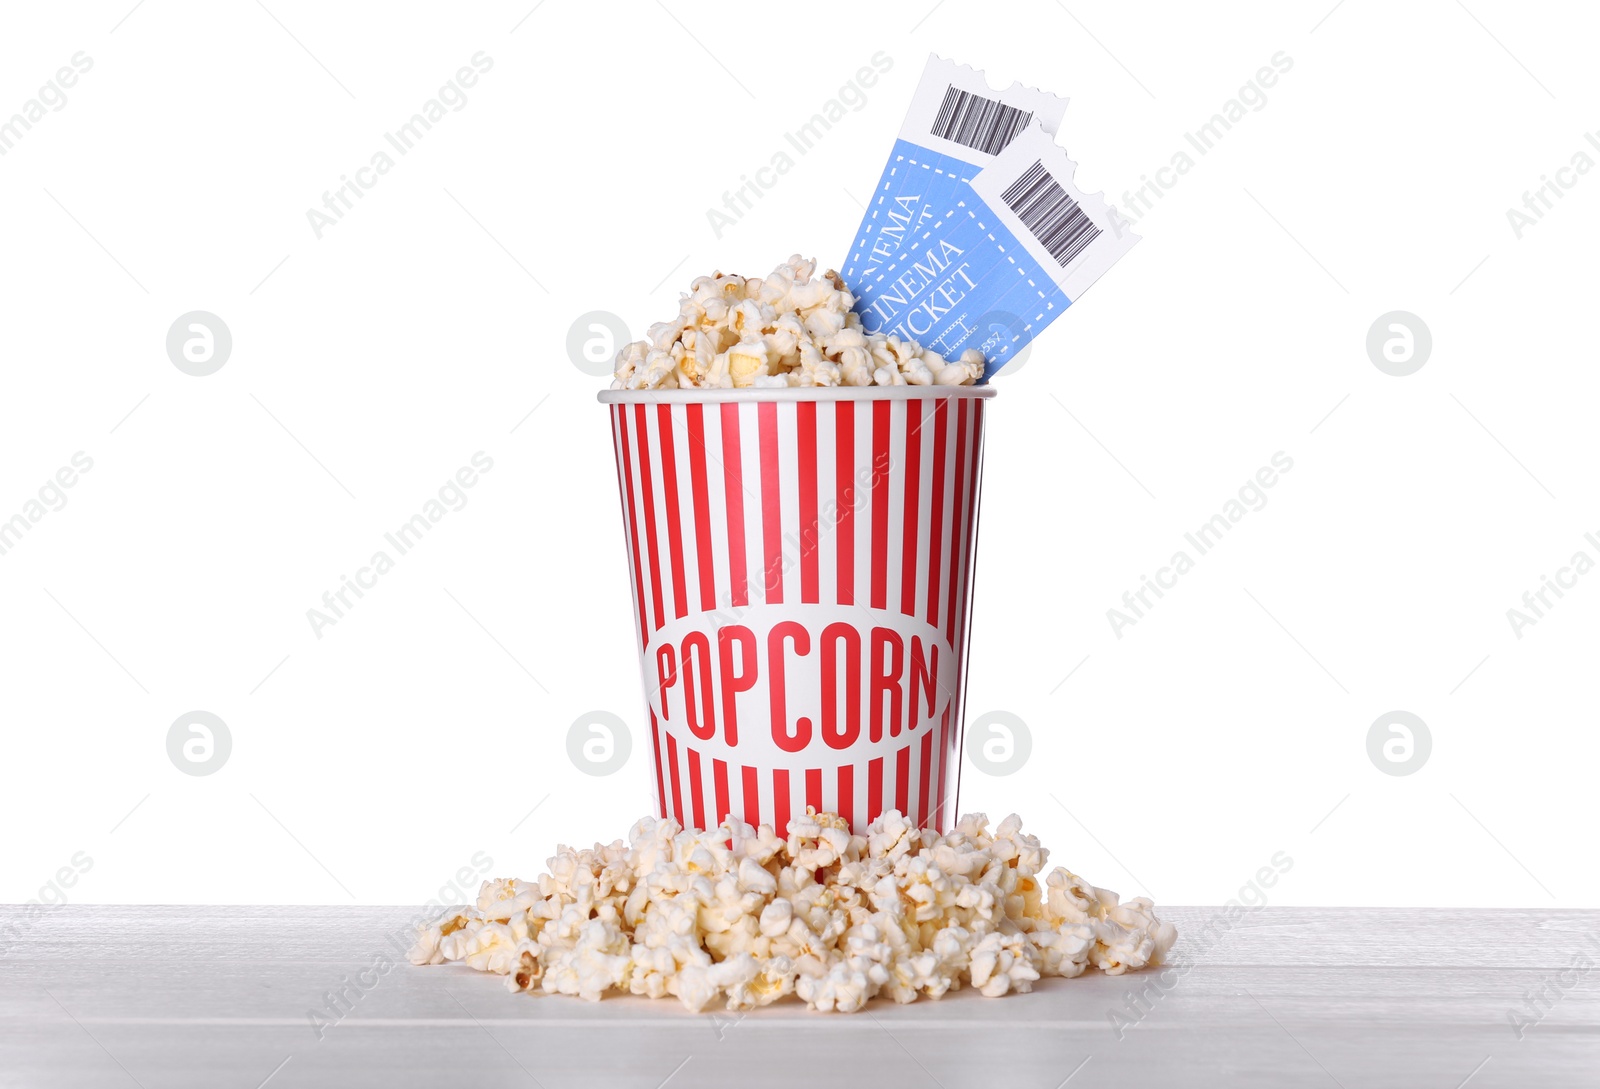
(223, 997)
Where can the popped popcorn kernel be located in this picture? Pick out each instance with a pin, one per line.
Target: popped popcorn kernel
(786, 329)
(739, 918)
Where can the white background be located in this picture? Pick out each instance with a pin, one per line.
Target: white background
(370, 364)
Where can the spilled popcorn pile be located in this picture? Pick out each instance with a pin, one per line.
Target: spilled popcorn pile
(738, 916)
(785, 330)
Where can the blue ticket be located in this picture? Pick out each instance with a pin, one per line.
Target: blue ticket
(999, 262)
(956, 126)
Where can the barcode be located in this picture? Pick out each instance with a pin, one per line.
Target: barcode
(1054, 218)
(978, 122)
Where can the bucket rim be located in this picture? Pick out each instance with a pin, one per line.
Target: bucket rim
(789, 393)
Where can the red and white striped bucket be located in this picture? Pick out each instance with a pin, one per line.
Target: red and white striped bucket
(802, 578)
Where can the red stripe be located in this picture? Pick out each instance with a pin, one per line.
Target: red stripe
(944, 754)
(733, 489)
(669, 477)
(752, 797)
(844, 473)
(622, 494)
(925, 764)
(771, 501)
(807, 441)
(880, 504)
(847, 787)
(655, 740)
(960, 489)
(959, 697)
(814, 788)
(902, 780)
(936, 514)
(780, 801)
(951, 728)
(672, 768)
(719, 778)
(697, 804)
(971, 470)
(913, 479)
(631, 516)
(646, 471)
(874, 788)
(705, 569)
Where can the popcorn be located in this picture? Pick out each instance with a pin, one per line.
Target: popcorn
(1003, 962)
(430, 937)
(503, 899)
(787, 329)
(840, 988)
(1131, 937)
(737, 917)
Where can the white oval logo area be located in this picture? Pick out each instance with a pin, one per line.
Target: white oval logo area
(763, 683)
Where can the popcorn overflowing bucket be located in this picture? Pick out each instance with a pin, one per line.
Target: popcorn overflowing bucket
(801, 562)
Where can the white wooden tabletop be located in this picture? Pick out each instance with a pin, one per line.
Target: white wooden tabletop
(223, 997)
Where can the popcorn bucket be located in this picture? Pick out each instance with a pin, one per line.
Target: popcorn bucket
(802, 577)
